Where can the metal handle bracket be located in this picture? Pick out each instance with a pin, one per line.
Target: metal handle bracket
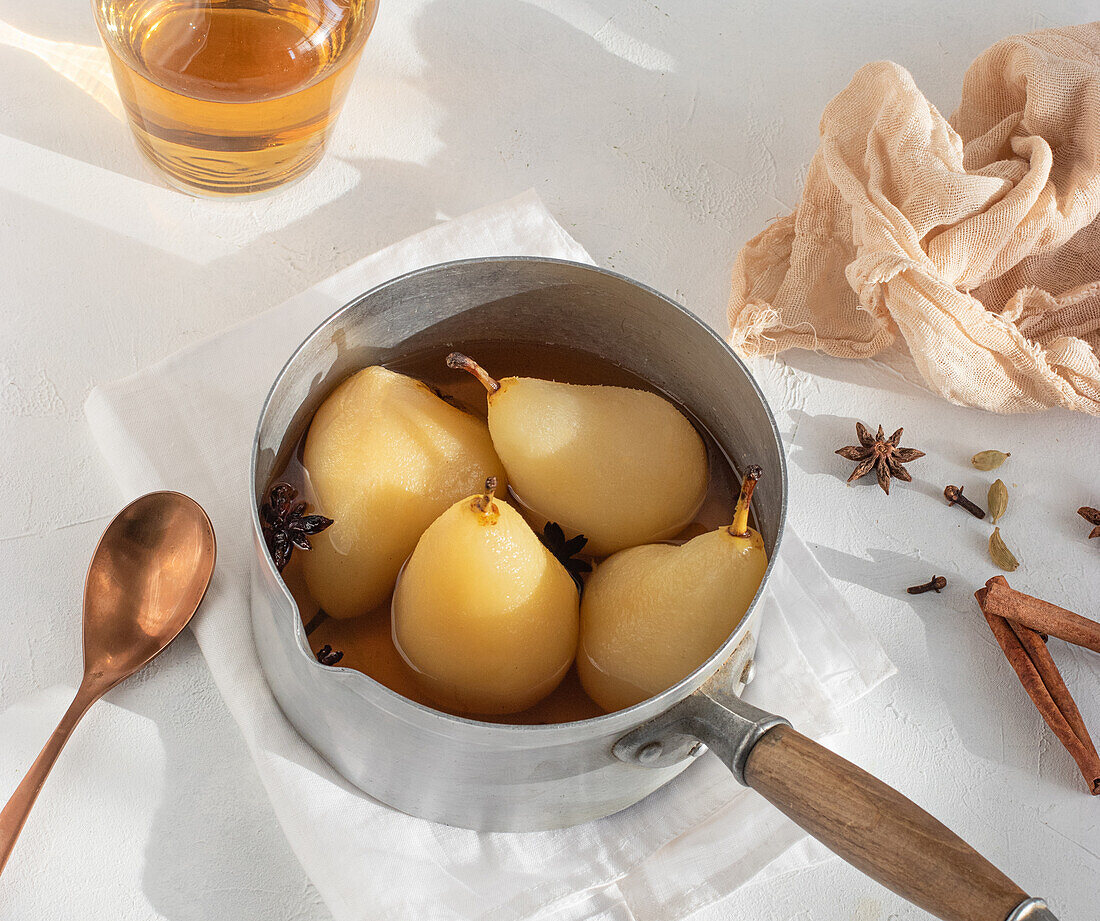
(714, 716)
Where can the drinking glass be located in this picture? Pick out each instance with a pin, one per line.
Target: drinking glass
(232, 97)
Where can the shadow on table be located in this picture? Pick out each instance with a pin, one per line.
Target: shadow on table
(79, 73)
(891, 371)
(210, 852)
(602, 113)
(967, 667)
(594, 120)
(813, 430)
(574, 111)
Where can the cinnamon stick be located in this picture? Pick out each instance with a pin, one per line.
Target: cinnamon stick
(1040, 656)
(1041, 616)
(1034, 666)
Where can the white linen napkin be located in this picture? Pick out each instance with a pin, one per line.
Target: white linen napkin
(187, 423)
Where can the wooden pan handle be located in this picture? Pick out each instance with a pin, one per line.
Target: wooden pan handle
(863, 820)
(877, 830)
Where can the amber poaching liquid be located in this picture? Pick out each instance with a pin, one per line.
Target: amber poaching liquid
(231, 97)
(367, 641)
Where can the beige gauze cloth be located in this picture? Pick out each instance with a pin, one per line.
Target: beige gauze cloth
(976, 240)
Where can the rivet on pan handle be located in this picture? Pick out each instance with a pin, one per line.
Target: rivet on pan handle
(860, 818)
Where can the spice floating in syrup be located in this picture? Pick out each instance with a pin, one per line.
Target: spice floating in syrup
(286, 524)
(326, 655)
(553, 539)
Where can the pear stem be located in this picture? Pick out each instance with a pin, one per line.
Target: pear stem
(740, 526)
(484, 503)
(459, 362)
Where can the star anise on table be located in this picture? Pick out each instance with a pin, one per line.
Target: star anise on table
(553, 539)
(1092, 516)
(881, 454)
(286, 524)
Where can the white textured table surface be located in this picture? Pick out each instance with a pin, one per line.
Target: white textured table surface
(662, 135)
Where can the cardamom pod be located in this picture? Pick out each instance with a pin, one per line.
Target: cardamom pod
(989, 460)
(998, 500)
(1000, 554)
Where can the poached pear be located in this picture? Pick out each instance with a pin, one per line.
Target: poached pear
(651, 615)
(484, 614)
(621, 466)
(385, 456)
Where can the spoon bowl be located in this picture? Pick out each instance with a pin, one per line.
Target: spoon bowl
(147, 577)
(148, 574)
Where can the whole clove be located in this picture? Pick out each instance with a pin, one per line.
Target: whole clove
(935, 584)
(954, 496)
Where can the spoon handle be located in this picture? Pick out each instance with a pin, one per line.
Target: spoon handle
(19, 806)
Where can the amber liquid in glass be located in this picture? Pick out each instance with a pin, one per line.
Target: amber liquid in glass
(233, 97)
(367, 641)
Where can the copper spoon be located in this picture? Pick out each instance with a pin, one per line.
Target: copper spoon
(147, 577)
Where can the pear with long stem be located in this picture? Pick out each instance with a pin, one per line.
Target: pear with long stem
(651, 615)
(484, 614)
(621, 466)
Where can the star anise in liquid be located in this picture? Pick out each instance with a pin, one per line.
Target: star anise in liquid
(326, 655)
(286, 524)
(553, 538)
(881, 454)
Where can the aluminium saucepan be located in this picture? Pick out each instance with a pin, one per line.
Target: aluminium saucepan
(496, 777)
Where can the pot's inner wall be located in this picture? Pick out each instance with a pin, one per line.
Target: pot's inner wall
(536, 302)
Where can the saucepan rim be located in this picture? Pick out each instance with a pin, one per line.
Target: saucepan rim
(619, 720)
